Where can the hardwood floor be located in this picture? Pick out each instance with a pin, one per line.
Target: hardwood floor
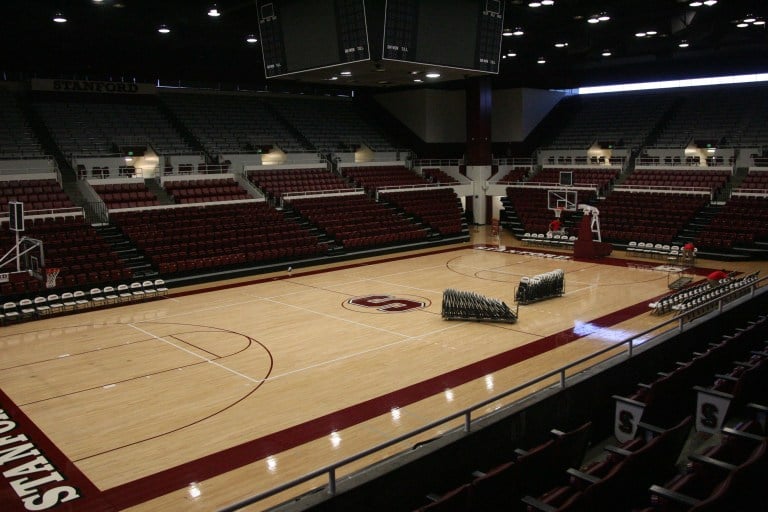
(217, 392)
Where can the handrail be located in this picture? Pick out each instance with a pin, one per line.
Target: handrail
(330, 469)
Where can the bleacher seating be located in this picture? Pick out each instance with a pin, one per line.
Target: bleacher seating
(126, 195)
(599, 177)
(653, 217)
(358, 221)
(375, 177)
(682, 178)
(17, 139)
(225, 235)
(527, 471)
(331, 125)
(437, 175)
(530, 206)
(515, 175)
(276, 182)
(83, 127)
(36, 194)
(621, 120)
(741, 222)
(439, 209)
(72, 245)
(204, 190)
(622, 478)
(754, 181)
(226, 123)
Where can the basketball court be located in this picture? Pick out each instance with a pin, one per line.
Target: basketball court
(217, 392)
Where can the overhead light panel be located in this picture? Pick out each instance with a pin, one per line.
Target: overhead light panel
(432, 75)
(683, 44)
(163, 29)
(561, 45)
(59, 18)
(251, 39)
(541, 60)
(518, 32)
(214, 12)
(606, 53)
(506, 32)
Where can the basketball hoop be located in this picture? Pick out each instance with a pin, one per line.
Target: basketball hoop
(51, 273)
(558, 212)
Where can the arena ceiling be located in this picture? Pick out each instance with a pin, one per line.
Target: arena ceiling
(118, 40)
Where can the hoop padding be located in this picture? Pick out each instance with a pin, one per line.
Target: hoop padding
(51, 273)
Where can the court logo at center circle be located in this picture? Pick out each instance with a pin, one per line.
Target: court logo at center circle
(386, 303)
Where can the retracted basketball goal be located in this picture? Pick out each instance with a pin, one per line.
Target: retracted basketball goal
(27, 255)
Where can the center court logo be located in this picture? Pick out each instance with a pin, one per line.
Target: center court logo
(386, 303)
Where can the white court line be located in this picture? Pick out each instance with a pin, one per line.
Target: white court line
(362, 352)
(405, 338)
(194, 354)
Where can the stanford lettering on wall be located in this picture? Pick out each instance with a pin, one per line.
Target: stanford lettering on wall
(87, 86)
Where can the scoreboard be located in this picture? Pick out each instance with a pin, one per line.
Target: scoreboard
(299, 35)
(455, 33)
(303, 35)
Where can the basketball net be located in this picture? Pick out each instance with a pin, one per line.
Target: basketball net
(558, 211)
(51, 273)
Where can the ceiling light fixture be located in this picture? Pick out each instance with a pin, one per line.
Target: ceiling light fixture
(606, 53)
(346, 73)
(683, 44)
(163, 29)
(511, 54)
(213, 12)
(593, 20)
(742, 25)
(561, 45)
(251, 39)
(541, 60)
(432, 75)
(506, 32)
(547, 2)
(603, 17)
(518, 32)
(750, 19)
(696, 4)
(59, 18)
(758, 22)
(710, 3)
(640, 34)
(534, 4)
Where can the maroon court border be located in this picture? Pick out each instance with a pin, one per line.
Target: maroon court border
(159, 484)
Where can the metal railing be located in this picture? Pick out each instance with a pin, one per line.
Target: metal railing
(671, 326)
